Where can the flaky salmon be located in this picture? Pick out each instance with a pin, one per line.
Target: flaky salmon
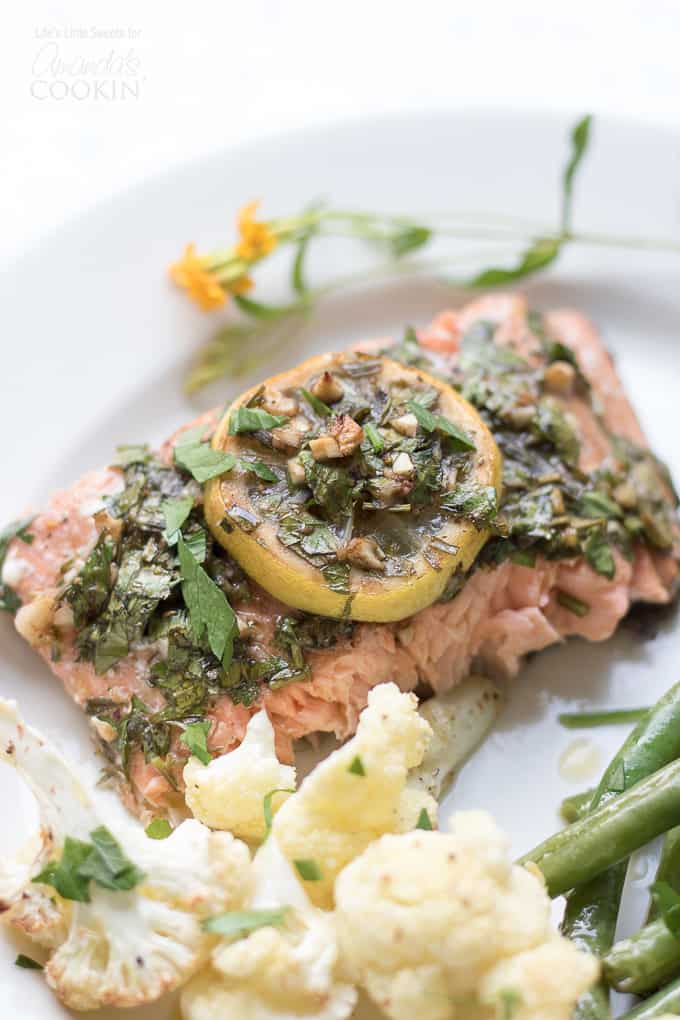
(587, 526)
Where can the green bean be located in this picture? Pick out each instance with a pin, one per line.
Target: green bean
(665, 1001)
(644, 961)
(575, 807)
(654, 742)
(590, 922)
(651, 957)
(591, 910)
(610, 833)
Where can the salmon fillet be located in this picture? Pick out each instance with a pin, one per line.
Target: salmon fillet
(514, 602)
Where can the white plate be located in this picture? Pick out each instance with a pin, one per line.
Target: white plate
(95, 343)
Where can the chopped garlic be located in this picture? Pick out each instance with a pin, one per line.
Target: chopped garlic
(406, 424)
(403, 465)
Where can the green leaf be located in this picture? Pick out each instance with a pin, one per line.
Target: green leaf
(252, 419)
(597, 504)
(599, 555)
(267, 807)
(27, 962)
(409, 239)
(235, 923)
(539, 255)
(477, 503)
(197, 544)
(258, 468)
(580, 137)
(107, 865)
(209, 611)
(668, 904)
(308, 870)
(523, 557)
(318, 406)
(357, 767)
(336, 576)
(438, 423)
(158, 828)
(195, 737)
(132, 454)
(175, 512)
(199, 458)
(424, 821)
(587, 720)
(374, 437)
(64, 875)
(257, 310)
(574, 605)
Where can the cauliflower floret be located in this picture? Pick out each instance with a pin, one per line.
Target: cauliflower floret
(542, 983)
(358, 792)
(428, 921)
(276, 973)
(121, 948)
(228, 793)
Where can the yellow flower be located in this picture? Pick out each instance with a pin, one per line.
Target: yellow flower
(242, 285)
(257, 240)
(200, 284)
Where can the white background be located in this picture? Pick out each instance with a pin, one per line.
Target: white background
(213, 73)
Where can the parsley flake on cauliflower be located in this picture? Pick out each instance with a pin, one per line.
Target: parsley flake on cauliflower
(112, 946)
(442, 926)
(276, 973)
(229, 791)
(358, 793)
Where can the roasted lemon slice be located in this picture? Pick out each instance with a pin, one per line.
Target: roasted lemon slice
(359, 487)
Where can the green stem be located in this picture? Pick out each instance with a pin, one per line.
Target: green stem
(587, 720)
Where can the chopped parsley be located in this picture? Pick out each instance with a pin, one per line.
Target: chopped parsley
(570, 602)
(175, 511)
(263, 471)
(477, 503)
(356, 766)
(209, 609)
(158, 828)
(438, 423)
(424, 821)
(236, 923)
(101, 861)
(268, 807)
(308, 870)
(27, 962)
(252, 419)
(318, 406)
(195, 737)
(198, 458)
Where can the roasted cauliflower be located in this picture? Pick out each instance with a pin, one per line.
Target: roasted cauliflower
(121, 914)
(357, 794)
(282, 972)
(228, 792)
(443, 926)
